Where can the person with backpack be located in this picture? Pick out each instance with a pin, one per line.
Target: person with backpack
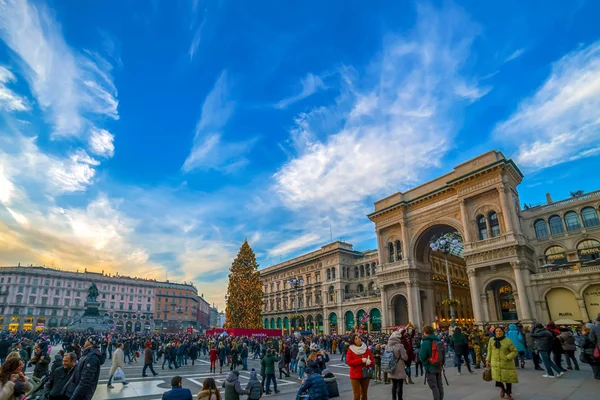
(500, 356)
(393, 362)
(519, 341)
(254, 387)
(433, 355)
(330, 381)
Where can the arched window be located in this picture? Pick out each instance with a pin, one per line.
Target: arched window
(482, 228)
(360, 288)
(328, 274)
(398, 250)
(333, 273)
(572, 221)
(556, 225)
(362, 271)
(371, 286)
(374, 267)
(367, 270)
(588, 250)
(356, 272)
(347, 289)
(589, 217)
(494, 225)
(541, 231)
(331, 293)
(555, 255)
(391, 252)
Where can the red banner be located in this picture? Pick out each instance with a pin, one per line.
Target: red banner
(245, 332)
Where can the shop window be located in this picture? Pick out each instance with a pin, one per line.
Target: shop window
(541, 231)
(556, 225)
(494, 224)
(482, 227)
(555, 255)
(589, 251)
(572, 221)
(589, 217)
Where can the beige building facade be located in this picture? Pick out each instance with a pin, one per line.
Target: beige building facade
(539, 263)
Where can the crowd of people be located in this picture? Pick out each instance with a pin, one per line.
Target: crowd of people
(73, 372)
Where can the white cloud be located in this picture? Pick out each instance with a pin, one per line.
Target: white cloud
(311, 84)
(388, 125)
(516, 54)
(559, 122)
(70, 87)
(9, 100)
(6, 187)
(101, 142)
(196, 39)
(209, 150)
(297, 243)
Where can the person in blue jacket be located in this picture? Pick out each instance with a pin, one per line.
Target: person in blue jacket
(314, 385)
(177, 392)
(518, 340)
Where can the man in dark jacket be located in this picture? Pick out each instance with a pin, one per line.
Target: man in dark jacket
(148, 358)
(269, 363)
(86, 374)
(177, 392)
(5, 344)
(433, 372)
(544, 342)
(314, 385)
(41, 362)
(60, 376)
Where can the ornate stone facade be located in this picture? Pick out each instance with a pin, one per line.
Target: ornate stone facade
(533, 264)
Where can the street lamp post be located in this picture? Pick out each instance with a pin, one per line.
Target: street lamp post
(296, 283)
(448, 243)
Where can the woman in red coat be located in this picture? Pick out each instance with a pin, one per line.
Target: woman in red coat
(358, 357)
(213, 357)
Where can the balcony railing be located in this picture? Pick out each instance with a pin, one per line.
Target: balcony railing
(586, 196)
(570, 269)
(362, 295)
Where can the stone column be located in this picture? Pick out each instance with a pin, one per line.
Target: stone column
(326, 325)
(380, 249)
(429, 306)
(475, 296)
(485, 306)
(505, 210)
(519, 271)
(384, 308)
(405, 243)
(465, 220)
(583, 309)
(414, 304)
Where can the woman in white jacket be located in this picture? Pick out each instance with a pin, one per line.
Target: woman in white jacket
(13, 383)
(118, 361)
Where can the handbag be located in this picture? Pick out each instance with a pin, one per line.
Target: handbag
(597, 352)
(487, 374)
(367, 373)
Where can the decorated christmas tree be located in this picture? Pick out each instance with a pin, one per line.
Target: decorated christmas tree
(244, 291)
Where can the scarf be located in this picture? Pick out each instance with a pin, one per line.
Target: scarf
(497, 341)
(359, 351)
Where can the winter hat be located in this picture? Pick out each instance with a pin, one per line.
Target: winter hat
(325, 372)
(94, 340)
(539, 326)
(253, 374)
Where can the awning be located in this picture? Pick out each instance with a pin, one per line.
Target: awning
(567, 321)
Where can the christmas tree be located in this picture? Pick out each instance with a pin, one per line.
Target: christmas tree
(244, 291)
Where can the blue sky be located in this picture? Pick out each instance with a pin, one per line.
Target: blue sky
(150, 138)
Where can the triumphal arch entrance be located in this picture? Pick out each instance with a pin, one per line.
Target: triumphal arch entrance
(490, 272)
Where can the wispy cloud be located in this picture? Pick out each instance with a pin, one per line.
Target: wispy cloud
(71, 87)
(209, 149)
(196, 39)
(559, 122)
(310, 85)
(9, 100)
(387, 126)
(516, 54)
(101, 142)
(297, 243)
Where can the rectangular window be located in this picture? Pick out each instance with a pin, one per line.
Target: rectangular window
(130, 298)
(112, 305)
(44, 301)
(35, 281)
(103, 295)
(55, 302)
(58, 283)
(65, 313)
(148, 299)
(141, 291)
(79, 285)
(22, 280)
(68, 292)
(69, 284)
(20, 290)
(57, 292)
(33, 290)
(122, 290)
(114, 289)
(77, 302)
(54, 312)
(122, 297)
(139, 307)
(147, 307)
(47, 283)
(45, 290)
(130, 307)
(67, 302)
(130, 290)
(30, 311)
(42, 311)
(104, 287)
(120, 306)
(9, 279)
(158, 307)
(32, 300)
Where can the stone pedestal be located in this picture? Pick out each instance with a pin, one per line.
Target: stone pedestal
(91, 319)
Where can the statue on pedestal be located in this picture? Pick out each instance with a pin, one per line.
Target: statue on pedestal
(92, 292)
